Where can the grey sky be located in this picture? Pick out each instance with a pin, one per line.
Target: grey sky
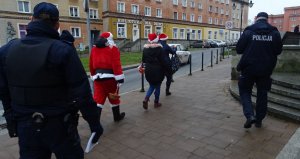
(271, 6)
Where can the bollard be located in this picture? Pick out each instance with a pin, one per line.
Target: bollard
(221, 53)
(142, 79)
(217, 56)
(211, 58)
(190, 59)
(202, 62)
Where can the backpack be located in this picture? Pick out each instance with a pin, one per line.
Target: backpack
(175, 63)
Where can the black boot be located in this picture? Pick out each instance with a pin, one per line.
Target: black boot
(168, 90)
(117, 115)
(249, 122)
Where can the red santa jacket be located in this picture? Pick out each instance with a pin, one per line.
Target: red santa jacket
(108, 59)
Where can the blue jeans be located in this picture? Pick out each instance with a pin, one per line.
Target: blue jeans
(156, 89)
(263, 85)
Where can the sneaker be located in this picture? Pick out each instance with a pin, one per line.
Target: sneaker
(145, 105)
(258, 124)
(249, 122)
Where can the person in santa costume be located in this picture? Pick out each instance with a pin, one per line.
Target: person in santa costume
(106, 72)
(155, 64)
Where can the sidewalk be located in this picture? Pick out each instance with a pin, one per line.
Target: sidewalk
(200, 120)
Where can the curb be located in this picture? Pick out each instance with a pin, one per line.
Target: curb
(292, 149)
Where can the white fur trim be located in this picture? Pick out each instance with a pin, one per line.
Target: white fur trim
(114, 105)
(99, 105)
(152, 45)
(164, 38)
(154, 40)
(102, 75)
(259, 18)
(119, 77)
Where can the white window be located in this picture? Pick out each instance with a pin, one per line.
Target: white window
(222, 1)
(215, 35)
(158, 13)
(209, 20)
(148, 30)
(184, 3)
(175, 33)
(227, 1)
(74, 11)
(121, 30)
(121, 7)
(93, 13)
(183, 16)
(199, 5)
(209, 34)
(158, 0)
(192, 4)
(199, 34)
(147, 11)
(158, 30)
(175, 15)
(134, 9)
(226, 35)
(236, 36)
(192, 17)
(293, 19)
(237, 16)
(24, 6)
(181, 34)
(175, 2)
(222, 11)
(199, 19)
(76, 32)
(210, 8)
(227, 12)
(221, 21)
(217, 10)
(193, 35)
(233, 15)
(216, 21)
(22, 30)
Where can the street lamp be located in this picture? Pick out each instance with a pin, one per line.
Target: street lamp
(242, 2)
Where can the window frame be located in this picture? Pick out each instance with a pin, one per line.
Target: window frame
(23, 6)
(78, 12)
(79, 31)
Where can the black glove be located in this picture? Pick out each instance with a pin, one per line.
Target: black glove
(95, 126)
(11, 123)
(120, 81)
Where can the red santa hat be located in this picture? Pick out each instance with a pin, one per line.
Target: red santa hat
(107, 35)
(163, 36)
(153, 38)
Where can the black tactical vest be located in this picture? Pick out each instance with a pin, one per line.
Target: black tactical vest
(31, 80)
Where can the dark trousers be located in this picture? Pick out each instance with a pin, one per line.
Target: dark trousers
(263, 85)
(52, 138)
(169, 80)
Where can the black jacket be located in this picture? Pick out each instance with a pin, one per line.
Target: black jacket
(260, 44)
(167, 50)
(154, 63)
(62, 58)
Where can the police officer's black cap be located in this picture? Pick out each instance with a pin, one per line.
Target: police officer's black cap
(262, 15)
(46, 11)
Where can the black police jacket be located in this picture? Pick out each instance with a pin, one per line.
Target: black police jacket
(260, 44)
(63, 59)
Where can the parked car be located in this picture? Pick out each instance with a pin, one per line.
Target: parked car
(220, 43)
(182, 53)
(212, 43)
(197, 44)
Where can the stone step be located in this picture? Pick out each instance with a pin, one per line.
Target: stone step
(284, 91)
(289, 80)
(2, 119)
(273, 108)
(282, 100)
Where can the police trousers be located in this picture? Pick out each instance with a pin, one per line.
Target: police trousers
(51, 138)
(263, 84)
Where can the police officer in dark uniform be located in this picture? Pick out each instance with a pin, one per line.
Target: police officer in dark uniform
(259, 45)
(42, 87)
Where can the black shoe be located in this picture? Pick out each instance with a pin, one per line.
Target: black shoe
(172, 80)
(168, 93)
(249, 122)
(258, 124)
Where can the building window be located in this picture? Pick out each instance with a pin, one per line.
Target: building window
(293, 19)
(192, 18)
(22, 30)
(175, 2)
(74, 11)
(226, 34)
(181, 34)
(227, 12)
(158, 30)
(209, 20)
(199, 34)
(76, 32)
(199, 19)
(134, 9)
(175, 15)
(121, 7)
(121, 30)
(193, 35)
(216, 21)
(227, 1)
(221, 22)
(236, 36)
(183, 16)
(210, 8)
(199, 5)
(158, 13)
(147, 11)
(217, 10)
(184, 3)
(222, 11)
(93, 13)
(215, 35)
(192, 4)
(147, 30)
(24, 6)
(175, 33)
(209, 34)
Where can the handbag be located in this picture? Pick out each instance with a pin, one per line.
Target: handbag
(175, 63)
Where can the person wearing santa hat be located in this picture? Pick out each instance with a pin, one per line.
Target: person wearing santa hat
(106, 72)
(155, 65)
(167, 50)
